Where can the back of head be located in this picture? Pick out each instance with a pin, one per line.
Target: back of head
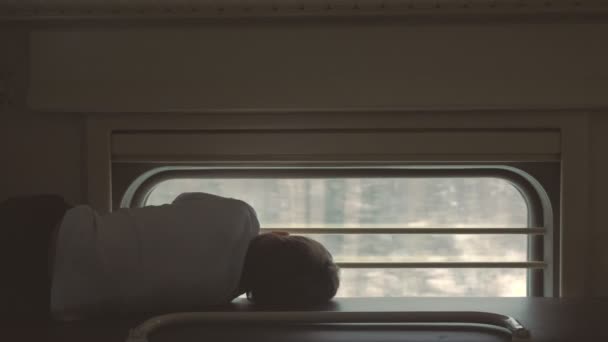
(286, 269)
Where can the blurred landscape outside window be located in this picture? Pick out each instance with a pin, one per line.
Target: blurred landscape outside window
(458, 202)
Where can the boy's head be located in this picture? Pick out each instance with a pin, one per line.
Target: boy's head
(288, 269)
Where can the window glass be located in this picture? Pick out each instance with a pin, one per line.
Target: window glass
(435, 282)
(369, 202)
(425, 247)
(385, 202)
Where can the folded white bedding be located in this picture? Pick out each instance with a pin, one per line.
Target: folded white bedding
(178, 257)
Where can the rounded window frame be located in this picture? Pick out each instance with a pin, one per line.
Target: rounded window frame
(542, 207)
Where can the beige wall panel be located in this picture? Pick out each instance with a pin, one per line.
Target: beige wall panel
(298, 67)
(38, 153)
(41, 155)
(599, 204)
(306, 66)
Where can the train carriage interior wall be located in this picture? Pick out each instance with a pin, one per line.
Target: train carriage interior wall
(451, 155)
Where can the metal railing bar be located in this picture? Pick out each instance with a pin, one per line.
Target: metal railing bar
(316, 230)
(523, 264)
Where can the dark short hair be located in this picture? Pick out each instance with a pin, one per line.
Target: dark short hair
(288, 269)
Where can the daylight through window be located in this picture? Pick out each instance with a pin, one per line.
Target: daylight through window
(393, 236)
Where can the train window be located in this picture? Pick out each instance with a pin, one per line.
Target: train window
(393, 232)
